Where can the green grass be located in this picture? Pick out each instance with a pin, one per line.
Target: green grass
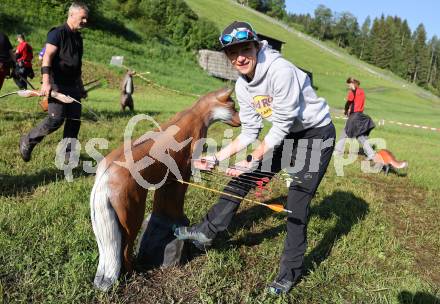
(371, 238)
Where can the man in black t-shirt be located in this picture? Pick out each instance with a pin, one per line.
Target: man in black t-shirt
(7, 57)
(61, 70)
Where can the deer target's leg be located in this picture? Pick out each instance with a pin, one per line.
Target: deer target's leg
(130, 212)
(169, 199)
(158, 245)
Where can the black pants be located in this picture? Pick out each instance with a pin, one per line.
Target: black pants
(310, 153)
(22, 73)
(59, 112)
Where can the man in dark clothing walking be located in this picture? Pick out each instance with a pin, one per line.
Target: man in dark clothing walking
(7, 57)
(61, 70)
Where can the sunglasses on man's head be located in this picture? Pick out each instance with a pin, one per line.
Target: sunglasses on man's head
(237, 34)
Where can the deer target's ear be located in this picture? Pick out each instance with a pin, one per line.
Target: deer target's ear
(223, 94)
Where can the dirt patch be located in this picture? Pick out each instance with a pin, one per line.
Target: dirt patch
(415, 222)
(169, 285)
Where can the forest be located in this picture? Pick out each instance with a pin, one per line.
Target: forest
(386, 41)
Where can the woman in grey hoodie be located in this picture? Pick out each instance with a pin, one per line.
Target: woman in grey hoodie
(273, 89)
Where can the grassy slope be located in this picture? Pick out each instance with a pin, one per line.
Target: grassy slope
(329, 70)
(385, 99)
(368, 243)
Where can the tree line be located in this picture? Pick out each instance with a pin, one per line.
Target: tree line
(167, 21)
(386, 41)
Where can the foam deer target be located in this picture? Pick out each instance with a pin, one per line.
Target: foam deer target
(118, 201)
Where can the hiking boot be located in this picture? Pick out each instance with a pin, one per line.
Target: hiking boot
(279, 287)
(66, 158)
(25, 149)
(199, 239)
(69, 152)
(67, 155)
(200, 246)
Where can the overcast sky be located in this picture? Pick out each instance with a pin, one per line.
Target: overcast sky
(416, 12)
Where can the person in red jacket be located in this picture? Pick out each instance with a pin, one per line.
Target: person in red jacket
(358, 125)
(24, 56)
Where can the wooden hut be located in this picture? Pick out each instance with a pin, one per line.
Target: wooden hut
(274, 43)
(217, 64)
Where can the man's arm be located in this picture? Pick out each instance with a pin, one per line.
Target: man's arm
(45, 68)
(17, 51)
(11, 72)
(82, 89)
(347, 108)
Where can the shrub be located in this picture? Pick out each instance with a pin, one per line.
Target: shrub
(170, 21)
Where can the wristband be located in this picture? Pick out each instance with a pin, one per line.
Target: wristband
(45, 70)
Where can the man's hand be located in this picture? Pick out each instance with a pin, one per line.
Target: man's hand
(83, 93)
(206, 163)
(45, 89)
(242, 167)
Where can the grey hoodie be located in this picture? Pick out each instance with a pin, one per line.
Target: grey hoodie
(280, 93)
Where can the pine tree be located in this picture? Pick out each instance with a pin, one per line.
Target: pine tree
(321, 27)
(401, 44)
(382, 52)
(345, 29)
(277, 9)
(374, 34)
(365, 50)
(353, 37)
(434, 50)
(421, 56)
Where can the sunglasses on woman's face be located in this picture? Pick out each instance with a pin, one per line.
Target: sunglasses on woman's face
(237, 34)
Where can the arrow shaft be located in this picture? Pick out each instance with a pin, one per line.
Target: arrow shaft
(260, 173)
(238, 179)
(230, 187)
(228, 194)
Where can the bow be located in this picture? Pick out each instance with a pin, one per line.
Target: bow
(57, 95)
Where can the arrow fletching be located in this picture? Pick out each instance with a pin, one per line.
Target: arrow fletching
(278, 208)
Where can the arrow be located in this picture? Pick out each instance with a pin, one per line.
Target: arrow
(262, 174)
(274, 207)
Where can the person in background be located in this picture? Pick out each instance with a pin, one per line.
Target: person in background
(41, 53)
(358, 125)
(24, 55)
(273, 89)
(7, 58)
(61, 70)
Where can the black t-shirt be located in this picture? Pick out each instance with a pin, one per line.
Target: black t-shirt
(5, 48)
(67, 62)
